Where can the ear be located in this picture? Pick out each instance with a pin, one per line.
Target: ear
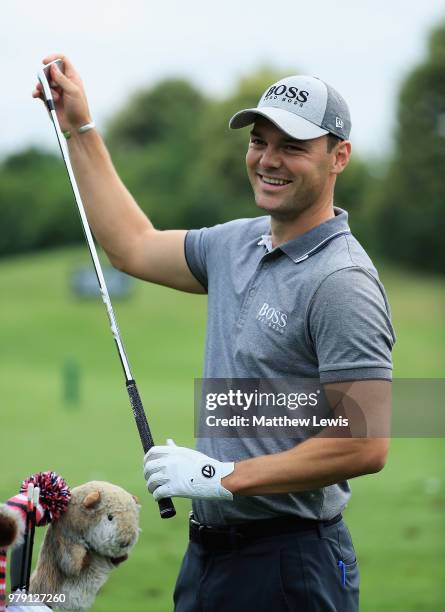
(342, 154)
(135, 499)
(92, 499)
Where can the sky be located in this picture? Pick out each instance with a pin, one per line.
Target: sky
(363, 48)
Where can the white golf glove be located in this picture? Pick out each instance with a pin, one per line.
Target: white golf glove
(175, 471)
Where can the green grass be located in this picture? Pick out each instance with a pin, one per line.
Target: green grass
(396, 517)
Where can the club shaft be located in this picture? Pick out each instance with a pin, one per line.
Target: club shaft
(92, 248)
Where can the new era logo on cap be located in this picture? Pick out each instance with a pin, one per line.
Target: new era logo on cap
(302, 106)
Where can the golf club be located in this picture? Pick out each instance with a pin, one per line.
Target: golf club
(166, 506)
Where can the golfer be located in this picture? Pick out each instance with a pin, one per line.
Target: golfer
(290, 294)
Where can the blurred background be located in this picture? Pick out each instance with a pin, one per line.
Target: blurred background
(162, 82)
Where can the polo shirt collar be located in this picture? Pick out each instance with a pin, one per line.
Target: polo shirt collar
(302, 247)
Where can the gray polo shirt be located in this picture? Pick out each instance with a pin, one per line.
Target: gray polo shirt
(331, 320)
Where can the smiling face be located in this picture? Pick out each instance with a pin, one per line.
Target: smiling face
(288, 176)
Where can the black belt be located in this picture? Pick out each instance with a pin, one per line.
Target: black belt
(229, 537)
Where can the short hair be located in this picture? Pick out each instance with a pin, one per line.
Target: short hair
(332, 141)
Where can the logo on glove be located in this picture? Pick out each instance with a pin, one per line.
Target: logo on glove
(208, 471)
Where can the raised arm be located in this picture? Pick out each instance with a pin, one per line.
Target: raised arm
(123, 230)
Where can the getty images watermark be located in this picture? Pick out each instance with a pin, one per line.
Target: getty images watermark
(301, 408)
(262, 407)
(256, 401)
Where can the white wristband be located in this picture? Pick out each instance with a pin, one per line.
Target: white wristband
(86, 127)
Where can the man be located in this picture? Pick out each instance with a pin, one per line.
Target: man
(266, 531)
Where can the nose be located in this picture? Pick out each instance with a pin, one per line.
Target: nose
(270, 157)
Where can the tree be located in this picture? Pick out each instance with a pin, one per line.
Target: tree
(169, 111)
(35, 203)
(153, 141)
(410, 213)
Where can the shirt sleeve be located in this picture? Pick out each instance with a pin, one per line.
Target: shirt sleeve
(350, 327)
(195, 249)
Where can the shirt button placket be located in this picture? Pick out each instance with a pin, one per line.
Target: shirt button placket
(250, 295)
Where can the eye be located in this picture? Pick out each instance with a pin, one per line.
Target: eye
(110, 517)
(293, 148)
(256, 141)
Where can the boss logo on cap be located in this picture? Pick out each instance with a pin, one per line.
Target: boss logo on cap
(338, 122)
(291, 93)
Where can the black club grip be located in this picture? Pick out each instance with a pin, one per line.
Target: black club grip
(166, 507)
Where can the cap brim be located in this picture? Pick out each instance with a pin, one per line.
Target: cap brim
(290, 123)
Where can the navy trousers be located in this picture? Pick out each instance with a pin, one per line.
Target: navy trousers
(311, 571)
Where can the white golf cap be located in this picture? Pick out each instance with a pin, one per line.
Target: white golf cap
(302, 106)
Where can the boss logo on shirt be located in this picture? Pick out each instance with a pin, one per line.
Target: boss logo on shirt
(272, 317)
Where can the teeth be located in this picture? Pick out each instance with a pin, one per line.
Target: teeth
(274, 181)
